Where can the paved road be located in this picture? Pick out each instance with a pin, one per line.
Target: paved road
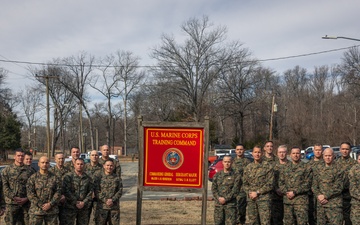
(130, 175)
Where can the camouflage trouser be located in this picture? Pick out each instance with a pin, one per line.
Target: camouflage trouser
(329, 215)
(258, 211)
(347, 210)
(44, 219)
(312, 209)
(14, 214)
(75, 216)
(277, 212)
(103, 216)
(241, 209)
(354, 214)
(92, 213)
(26, 208)
(61, 212)
(225, 214)
(296, 214)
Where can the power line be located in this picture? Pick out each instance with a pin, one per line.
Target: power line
(260, 60)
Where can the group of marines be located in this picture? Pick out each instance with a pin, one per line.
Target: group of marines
(69, 193)
(274, 190)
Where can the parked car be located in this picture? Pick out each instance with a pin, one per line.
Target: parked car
(218, 166)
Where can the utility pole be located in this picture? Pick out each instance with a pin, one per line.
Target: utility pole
(47, 77)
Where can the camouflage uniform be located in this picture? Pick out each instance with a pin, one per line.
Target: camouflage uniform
(226, 185)
(117, 166)
(277, 204)
(296, 178)
(312, 199)
(328, 181)
(354, 179)
(238, 166)
(108, 187)
(69, 165)
(77, 188)
(258, 177)
(60, 173)
(41, 189)
(345, 164)
(92, 171)
(14, 180)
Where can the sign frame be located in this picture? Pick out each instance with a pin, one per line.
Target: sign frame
(204, 126)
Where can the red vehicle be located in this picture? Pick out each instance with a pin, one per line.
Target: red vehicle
(218, 166)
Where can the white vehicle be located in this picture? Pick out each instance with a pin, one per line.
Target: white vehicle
(221, 152)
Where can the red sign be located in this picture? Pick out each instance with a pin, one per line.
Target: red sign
(173, 157)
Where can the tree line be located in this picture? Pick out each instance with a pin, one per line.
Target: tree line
(96, 101)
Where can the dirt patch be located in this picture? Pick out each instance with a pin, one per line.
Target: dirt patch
(166, 212)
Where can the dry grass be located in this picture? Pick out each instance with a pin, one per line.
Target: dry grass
(166, 212)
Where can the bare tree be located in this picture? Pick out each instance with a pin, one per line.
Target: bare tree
(190, 68)
(78, 71)
(106, 84)
(127, 72)
(30, 105)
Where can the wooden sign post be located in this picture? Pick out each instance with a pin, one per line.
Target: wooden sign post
(172, 158)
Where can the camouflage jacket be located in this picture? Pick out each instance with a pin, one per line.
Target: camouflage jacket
(328, 181)
(41, 189)
(345, 164)
(2, 201)
(354, 180)
(69, 165)
(278, 169)
(77, 188)
(226, 185)
(259, 177)
(296, 178)
(14, 180)
(272, 160)
(60, 173)
(93, 170)
(108, 187)
(238, 166)
(117, 166)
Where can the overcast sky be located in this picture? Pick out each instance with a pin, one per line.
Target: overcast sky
(38, 31)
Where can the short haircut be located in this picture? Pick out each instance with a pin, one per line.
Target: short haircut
(317, 144)
(345, 142)
(228, 156)
(240, 145)
(19, 150)
(81, 159)
(28, 153)
(295, 147)
(268, 141)
(75, 147)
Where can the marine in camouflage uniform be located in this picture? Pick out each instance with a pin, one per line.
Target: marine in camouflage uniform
(75, 154)
(327, 187)
(258, 182)
(105, 156)
(14, 178)
(2, 201)
(92, 169)
(345, 163)
(354, 181)
(78, 190)
(295, 182)
(28, 157)
(314, 163)
(277, 203)
(59, 170)
(44, 193)
(225, 188)
(108, 190)
(238, 165)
